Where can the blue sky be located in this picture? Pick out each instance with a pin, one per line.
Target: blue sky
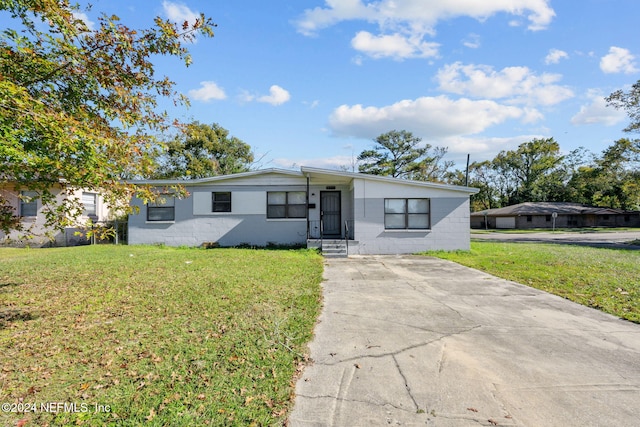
(313, 82)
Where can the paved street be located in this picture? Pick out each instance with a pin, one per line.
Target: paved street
(614, 239)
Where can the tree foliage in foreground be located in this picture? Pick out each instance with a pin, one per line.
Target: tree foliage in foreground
(201, 150)
(78, 105)
(400, 154)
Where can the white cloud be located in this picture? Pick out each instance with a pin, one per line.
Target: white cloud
(335, 162)
(420, 16)
(555, 55)
(618, 60)
(429, 117)
(207, 92)
(597, 112)
(277, 96)
(472, 41)
(85, 18)
(396, 46)
(179, 12)
(514, 84)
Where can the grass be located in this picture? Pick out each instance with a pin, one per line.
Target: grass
(606, 279)
(155, 336)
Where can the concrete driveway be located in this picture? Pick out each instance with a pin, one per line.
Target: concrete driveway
(410, 340)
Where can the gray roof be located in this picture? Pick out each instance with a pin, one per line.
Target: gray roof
(306, 171)
(547, 208)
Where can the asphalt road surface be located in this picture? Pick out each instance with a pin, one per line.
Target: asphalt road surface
(614, 239)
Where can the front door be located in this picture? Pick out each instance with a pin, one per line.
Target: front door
(330, 211)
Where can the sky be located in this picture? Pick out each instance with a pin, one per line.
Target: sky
(314, 82)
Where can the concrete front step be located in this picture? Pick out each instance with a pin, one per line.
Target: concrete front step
(329, 247)
(334, 248)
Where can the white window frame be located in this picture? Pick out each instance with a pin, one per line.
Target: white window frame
(163, 203)
(29, 201)
(89, 209)
(406, 214)
(287, 206)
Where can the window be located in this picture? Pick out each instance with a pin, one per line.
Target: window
(221, 201)
(529, 218)
(547, 218)
(286, 204)
(89, 203)
(28, 203)
(162, 209)
(407, 214)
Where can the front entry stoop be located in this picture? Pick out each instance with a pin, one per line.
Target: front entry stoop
(334, 248)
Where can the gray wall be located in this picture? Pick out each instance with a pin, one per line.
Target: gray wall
(363, 201)
(449, 229)
(228, 229)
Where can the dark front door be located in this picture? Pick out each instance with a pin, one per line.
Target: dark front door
(330, 211)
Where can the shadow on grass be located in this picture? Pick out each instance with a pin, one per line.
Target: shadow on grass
(5, 287)
(268, 247)
(8, 315)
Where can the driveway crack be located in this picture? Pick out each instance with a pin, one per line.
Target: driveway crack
(406, 383)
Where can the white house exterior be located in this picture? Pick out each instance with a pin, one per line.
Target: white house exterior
(377, 215)
(29, 208)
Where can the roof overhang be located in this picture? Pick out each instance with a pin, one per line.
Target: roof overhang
(327, 176)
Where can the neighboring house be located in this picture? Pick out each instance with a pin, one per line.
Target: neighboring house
(545, 214)
(377, 215)
(29, 208)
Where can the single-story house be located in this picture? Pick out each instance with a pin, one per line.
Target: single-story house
(28, 207)
(550, 214)
(314, 207)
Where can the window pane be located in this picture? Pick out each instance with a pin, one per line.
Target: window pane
(29, 203)
(297, 211)
(418, 205)
(274, 211)
(160, 214)
(222, 207)
(418, 221)
(394, 221)
(164, 200)
(222, 196)
(89, 203)
(394, 205)
(276, 198)
(297, 198)
(222, 201)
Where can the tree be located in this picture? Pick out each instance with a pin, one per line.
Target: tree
(523, 171)
(482, 176)
(201, 150)
(398, 154)
(629, 101)
(78, 105)
(613, 180)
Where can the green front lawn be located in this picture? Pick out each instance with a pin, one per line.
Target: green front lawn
(606, 279)
(130, 335)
